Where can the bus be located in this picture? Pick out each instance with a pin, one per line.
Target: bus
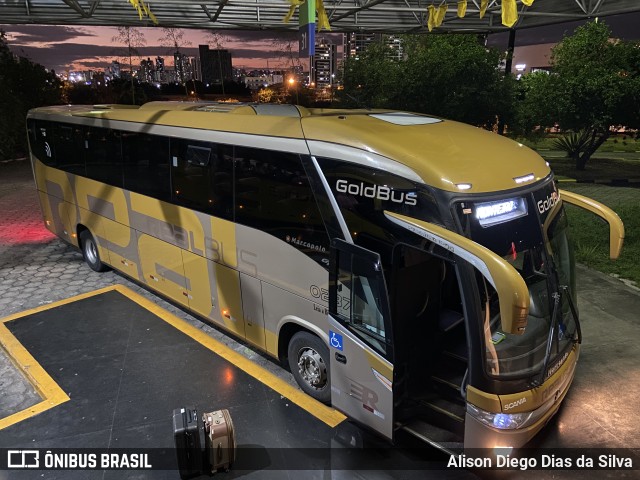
(413, 272)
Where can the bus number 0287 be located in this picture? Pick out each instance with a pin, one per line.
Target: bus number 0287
(344, 303)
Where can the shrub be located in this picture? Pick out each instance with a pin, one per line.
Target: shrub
(573, 144)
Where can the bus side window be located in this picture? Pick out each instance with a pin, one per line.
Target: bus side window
(147, 164)
(104, 155)
(222, 181)
(273, 194)
(202, 176)
(191, 173)
(68, 140)
(41, 141)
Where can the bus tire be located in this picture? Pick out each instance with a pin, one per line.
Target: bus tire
(309, 364)
(90, 252)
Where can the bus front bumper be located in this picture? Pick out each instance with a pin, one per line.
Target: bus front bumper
(501, 430)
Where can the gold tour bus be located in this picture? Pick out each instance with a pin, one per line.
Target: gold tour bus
(413, 272)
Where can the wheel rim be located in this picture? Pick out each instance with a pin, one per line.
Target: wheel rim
(312, 368)
(90, 251)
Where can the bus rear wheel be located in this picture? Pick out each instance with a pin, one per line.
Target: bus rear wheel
(90, 252)
(309, 364)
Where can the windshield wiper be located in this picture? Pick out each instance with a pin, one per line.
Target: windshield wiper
(552, 329)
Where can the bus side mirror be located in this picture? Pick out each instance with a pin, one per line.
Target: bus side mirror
(616, 227)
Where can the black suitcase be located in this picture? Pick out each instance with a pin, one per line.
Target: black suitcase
(186, 433)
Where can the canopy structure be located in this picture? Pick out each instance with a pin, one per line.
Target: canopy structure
(383, 16)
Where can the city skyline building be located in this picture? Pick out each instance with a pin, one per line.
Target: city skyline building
(183, 67)
(215, 65)
(160, 70)
(355, 43)
(114, 69)
(197, 68)
(324, 63)
(147, 71)
(394, 43)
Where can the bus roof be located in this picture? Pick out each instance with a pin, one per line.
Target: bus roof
(443, 153)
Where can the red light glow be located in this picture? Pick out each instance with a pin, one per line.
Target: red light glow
(20, 232)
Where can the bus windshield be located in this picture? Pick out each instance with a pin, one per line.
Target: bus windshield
(513, 229)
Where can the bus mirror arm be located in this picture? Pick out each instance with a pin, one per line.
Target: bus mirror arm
(616, 227)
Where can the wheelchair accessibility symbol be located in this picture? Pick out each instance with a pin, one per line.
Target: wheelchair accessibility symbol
(335, 340)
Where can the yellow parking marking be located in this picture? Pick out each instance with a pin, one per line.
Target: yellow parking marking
(58, 303)
(326, 414)
(50, 392)
(52, 395)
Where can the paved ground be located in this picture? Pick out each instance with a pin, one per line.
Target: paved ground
(599, 411)
(36, 269)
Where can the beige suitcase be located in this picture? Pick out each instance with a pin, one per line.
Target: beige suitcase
(219, 440)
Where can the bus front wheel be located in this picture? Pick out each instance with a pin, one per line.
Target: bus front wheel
(309, 364)
(90, 252)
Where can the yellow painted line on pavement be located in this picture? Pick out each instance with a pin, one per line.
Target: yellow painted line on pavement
(322, 412)
(52, 395)
(50, 392)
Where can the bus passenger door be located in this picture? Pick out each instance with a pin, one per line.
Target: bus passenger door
(360, 343)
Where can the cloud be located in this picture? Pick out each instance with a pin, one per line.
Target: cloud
(257, 35)
(28, 34)
(62, 48)
(62, 55)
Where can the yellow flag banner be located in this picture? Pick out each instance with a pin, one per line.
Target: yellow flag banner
(431, 22)
(509, 13)
(528, 3)
(462, 8)
(143, 9)
(323, 19)
(292, 9)
(483, 7)
(440, 14)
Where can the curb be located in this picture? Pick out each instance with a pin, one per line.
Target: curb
(14, 160)
(620, 182)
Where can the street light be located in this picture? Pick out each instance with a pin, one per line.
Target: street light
(292, 82)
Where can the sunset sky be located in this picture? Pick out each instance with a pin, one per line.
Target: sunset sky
(64, 48)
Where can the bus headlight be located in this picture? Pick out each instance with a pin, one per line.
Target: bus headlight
(502, 421)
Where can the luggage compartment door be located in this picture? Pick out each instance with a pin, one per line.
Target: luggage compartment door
(251, 289)
(361, 348)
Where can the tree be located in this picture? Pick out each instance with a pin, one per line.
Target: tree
(286, 49)
(457, 77)
(217, 40)
(23, 85)
(132, 39)
(266, 95)
(452, 76)
(595, 85)
(174, 40)
(373, 79)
